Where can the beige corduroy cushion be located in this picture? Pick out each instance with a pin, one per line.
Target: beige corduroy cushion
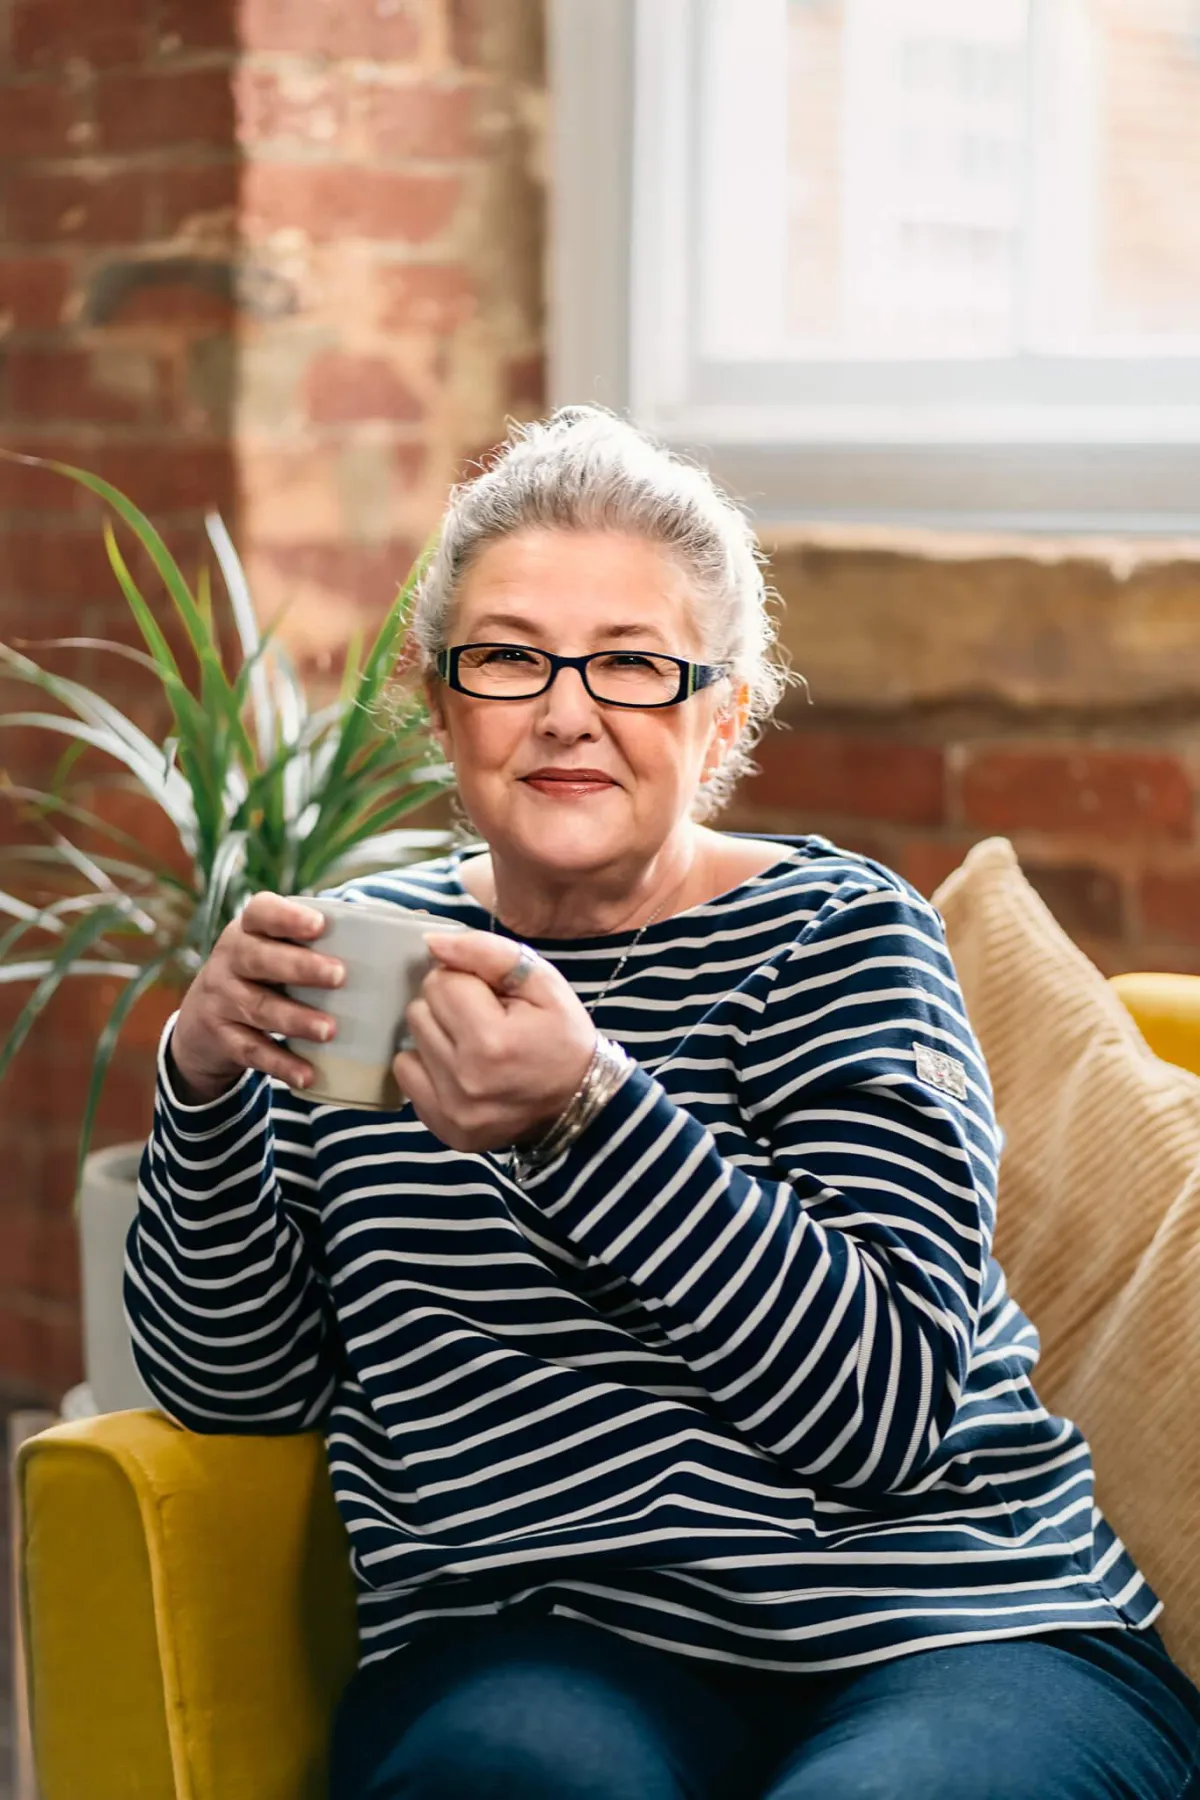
(1098, 1228)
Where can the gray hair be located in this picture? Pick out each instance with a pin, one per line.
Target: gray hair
(585, 469)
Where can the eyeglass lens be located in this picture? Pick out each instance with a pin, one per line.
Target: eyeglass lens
(634, 677)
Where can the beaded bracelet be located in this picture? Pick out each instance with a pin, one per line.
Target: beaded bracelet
(605, 1073)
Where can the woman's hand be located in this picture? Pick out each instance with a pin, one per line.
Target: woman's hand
(234, 1002)
(491, 1069)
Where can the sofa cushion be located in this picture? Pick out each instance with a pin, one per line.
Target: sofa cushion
(1098, 1227)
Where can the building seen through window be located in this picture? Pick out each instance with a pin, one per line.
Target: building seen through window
(991, 178)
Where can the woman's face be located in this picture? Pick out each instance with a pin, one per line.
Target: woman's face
(574, 592)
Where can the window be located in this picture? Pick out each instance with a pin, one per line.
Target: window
(923, 260)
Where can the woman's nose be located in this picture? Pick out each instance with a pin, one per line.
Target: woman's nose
(567, 705)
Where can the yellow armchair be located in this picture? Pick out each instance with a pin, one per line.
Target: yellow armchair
(187, 1601)
(188, 1611)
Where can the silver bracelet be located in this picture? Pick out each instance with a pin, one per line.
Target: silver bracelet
(605, 1073)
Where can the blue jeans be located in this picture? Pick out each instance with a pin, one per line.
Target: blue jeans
(550, 1709)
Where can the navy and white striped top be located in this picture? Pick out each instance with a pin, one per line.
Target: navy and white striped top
(737, 1376)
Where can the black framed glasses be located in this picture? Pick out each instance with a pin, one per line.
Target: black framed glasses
(612, 677)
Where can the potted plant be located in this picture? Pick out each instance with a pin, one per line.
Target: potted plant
(261, 791)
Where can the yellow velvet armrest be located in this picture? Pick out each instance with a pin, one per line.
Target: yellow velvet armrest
(1166, 1010)
(188, 1610)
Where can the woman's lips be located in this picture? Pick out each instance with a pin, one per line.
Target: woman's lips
(563, 787)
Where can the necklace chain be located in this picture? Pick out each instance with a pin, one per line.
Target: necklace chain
(591, 1005)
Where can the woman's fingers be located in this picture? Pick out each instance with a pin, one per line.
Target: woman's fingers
(266, 1011)
(268, 960)
(254, 1051)
(278, 916)
(494, 961)
(434, 1044)
(465, 1007)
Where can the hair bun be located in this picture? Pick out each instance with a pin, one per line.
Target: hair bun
(569, 418)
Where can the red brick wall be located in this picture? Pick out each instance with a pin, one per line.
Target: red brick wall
(392, 201)
(120, 195)
(1048, 693)
(284, 260)
(1104, 820)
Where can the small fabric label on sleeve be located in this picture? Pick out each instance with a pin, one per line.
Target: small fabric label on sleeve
(937, 1070)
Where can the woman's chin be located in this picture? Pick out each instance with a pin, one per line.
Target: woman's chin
(573, 836)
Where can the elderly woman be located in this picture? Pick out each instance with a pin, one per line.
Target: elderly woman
(682, 1426)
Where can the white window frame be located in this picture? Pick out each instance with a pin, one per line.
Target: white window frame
(1082, 444)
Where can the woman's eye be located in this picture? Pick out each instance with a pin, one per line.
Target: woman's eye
(508, 653)
(629, 659)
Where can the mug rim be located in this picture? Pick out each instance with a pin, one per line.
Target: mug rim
(386, 909)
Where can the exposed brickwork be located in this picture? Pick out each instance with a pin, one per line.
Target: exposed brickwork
(853, 776)
(1105, 833)
(1104, 793)
(281, 258)
(1056, 691)
(1170, 905)
(391, 189)
(117, 156)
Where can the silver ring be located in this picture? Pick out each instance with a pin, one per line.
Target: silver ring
(526, 961)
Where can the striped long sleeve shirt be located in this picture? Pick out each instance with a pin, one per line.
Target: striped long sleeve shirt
(737, 1375)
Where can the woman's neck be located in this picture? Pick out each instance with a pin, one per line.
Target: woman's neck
(592, 903)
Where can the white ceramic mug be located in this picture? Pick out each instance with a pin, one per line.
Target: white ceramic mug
(386, 960)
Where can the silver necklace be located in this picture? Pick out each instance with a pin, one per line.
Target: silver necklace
(591, 1005)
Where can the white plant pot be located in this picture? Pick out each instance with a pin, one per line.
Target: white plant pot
(107, 1204)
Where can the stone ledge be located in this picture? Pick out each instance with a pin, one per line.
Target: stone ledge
(883, 619)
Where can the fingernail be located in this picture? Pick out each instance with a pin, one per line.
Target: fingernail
(337, 973)
(324, 1031)
(313, 917)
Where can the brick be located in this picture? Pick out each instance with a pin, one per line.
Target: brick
(368, 574)
(182, 200)
(171, 477)
(36, 119)
(114, 385)
(39, 1251)
(466, 23)
(66, 566)
(39, 1164)
(307, 105)
(1170, 906)
(408, 462)
(341, 390)
(509, 40)
(419, 119)
(47, 34)
(525, 383)
(374, 30)
(163, 109)
(183, 25)
(437, 297)
(1086, 901)
(336, 202)
(157, 475)
(832, 773)
(1106, 793)
(926, 862)
(29, 488)
(41, 1347)
(33, 291)
(76, 208)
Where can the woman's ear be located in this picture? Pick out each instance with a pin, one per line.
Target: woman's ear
(729, 722)
(434, 694)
